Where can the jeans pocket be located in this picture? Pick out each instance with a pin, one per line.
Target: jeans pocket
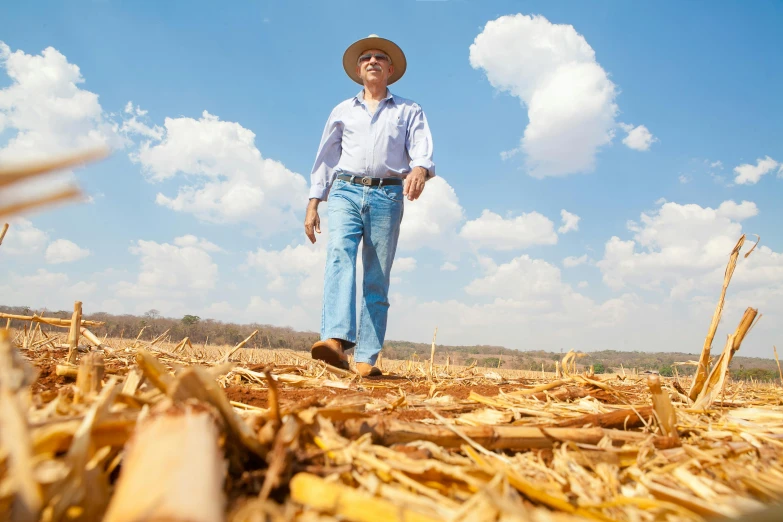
(393, 192)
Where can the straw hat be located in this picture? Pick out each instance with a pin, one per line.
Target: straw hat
(351, 56)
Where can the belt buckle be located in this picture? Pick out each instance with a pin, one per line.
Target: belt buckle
(366, 180)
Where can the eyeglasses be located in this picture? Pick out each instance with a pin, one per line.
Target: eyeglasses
(378, 56)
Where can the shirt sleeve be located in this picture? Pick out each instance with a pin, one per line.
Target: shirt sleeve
(419, 142)
(329, 152)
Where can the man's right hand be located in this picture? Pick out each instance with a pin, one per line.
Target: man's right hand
(312, 222)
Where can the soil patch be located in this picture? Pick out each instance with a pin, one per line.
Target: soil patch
(367, 391)
(48, 382)
(258, 397)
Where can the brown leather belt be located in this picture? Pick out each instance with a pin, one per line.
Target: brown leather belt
(367, 181)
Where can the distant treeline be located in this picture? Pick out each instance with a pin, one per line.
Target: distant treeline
(198, 330)
(201, 331)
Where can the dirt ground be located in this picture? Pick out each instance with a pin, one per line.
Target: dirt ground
(387, 388)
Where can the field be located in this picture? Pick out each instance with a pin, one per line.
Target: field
(150, 430)
(146, 429)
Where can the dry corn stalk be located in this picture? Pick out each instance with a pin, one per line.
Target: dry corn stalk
(73, 335)
(93, 338)
(14, 174)
(15, 376)
(704, 360)
(173, 471)
(716, 381)
(620, 419)
(2, 233)
(346, 503)
(388, 431)
(667, 417)
(53, 321)
(432, 354)
(240, 345)
(90, 375)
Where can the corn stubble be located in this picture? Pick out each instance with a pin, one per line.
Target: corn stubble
(140, 430)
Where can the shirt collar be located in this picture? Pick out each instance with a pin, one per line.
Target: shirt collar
(359, 98)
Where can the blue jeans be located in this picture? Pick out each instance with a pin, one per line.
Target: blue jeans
(371, 214)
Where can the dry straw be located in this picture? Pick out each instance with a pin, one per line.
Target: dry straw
(141, 430)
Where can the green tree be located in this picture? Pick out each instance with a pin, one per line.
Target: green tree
(666, 371)
(757, 374)
(599, 368)
(491, 362)
(190, 320)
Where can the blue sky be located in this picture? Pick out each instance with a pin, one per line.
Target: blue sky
(530, 104)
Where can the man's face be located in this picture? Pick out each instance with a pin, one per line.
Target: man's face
(374, 66)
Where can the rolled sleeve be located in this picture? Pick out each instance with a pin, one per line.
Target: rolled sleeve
(327, 157)
(419, 142)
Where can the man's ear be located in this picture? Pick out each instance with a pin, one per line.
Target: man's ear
(391, 69)
(359, 71)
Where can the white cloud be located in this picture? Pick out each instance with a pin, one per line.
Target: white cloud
(91, 198)
(83, 288)
(492, 231)
(572, 261)
(42, 278)
(673, 244)
(226, 180)
(135, 126)
(264, 310)
(738, 212)
(23, 238)
(570, 222)
(684, 179)
(272, 311)
(404, 264)
(508, 154)
(521, 304)
(302, 265)
(170, 270)
(638, 138)
(47, 109)
(46, 113)
(748, 174)
(64, 251)
(523, 277)
(677, 254)
(569, 98)
(431, 221)
(190, 240)
(448, 267)
(716, 164)
(42, 288)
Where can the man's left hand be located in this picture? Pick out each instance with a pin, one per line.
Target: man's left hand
(414, 183)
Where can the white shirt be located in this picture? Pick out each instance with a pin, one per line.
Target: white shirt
(386, 143)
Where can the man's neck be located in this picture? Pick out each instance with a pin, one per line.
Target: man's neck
(374, 92)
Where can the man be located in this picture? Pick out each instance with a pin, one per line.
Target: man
(376, 149)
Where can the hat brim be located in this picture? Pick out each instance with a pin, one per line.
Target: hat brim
(351, 57)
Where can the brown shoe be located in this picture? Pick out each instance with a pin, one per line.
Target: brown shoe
(330, 351)
(367, 370)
